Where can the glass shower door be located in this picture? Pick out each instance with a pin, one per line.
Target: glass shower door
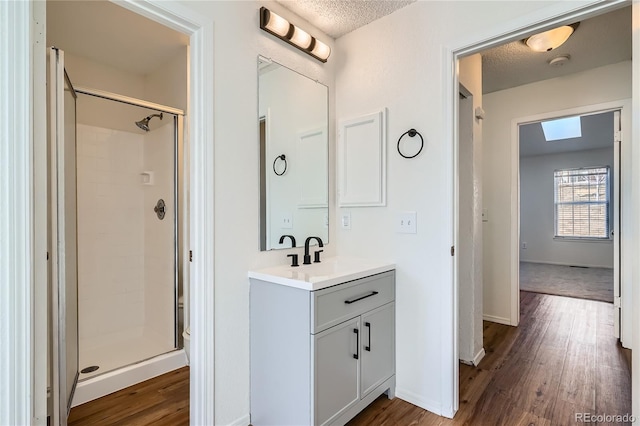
(63, 236)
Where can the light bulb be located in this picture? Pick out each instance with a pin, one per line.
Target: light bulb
(300, 38)
(321, 50)
(277, 24)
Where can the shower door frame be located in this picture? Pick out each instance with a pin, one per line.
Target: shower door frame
(178, 141)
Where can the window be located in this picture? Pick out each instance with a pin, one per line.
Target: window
(582, 202)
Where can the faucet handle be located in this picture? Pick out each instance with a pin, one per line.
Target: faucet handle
(316, 256)
(294, 259)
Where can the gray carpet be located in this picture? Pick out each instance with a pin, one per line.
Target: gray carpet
(583, 283)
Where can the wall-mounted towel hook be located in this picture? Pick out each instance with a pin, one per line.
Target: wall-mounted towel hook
(411, 133)
(283, 158)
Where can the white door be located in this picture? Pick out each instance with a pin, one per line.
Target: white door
(617, 129)
(63, 236)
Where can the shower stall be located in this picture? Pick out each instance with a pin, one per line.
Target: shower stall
(128, 237)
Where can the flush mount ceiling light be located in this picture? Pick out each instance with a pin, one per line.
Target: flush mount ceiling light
(281, 28)
(549, 40)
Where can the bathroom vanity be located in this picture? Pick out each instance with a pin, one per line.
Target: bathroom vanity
(322, 341)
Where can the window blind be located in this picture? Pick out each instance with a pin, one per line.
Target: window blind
(581, 198)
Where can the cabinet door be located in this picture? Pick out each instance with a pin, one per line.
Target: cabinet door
(336, 376)
(377, 346)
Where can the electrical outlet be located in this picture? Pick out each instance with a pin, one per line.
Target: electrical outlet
(524, 244)
(345, 220)
(287, 221)
(407, 223)
(485, 215)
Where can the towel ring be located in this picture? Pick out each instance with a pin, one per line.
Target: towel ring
(283, 158)
(411, 133)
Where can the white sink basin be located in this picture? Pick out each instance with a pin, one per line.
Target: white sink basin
(331, 271)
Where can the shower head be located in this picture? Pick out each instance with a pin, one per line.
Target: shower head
(144, 123)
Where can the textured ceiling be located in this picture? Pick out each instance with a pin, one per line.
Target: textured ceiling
(339, 17)
(597, 132)
(599, 41)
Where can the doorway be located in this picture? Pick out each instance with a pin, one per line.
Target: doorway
(509, 302)
(568, 243)
(115, 281)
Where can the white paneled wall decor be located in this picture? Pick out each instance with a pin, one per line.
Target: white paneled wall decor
(362, 161)
(313, 156)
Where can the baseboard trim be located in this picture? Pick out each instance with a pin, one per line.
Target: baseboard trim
(582, 265)
(420, 401)
(242, 421)
(476, 359)
(499, 320)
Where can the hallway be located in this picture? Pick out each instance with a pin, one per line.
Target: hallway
(561, 360)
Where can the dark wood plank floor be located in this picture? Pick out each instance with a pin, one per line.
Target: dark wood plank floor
(561, 360)
(162, 401)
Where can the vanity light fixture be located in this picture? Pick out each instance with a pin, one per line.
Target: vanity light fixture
(549, 40)
(295, 36)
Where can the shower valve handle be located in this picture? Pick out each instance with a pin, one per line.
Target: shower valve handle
(160, 209)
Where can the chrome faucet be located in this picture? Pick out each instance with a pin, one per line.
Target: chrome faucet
(307, 257)
(293, 239)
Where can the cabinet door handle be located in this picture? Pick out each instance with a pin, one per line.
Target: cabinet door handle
(368, 325)
(350, 301)
(356, 355)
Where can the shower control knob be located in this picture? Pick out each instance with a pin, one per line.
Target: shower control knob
(160, 209)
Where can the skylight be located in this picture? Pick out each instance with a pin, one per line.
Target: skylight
(562, 128)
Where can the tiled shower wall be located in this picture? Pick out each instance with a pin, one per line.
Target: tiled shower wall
(110, 231)
(125, 260)
(159, 234)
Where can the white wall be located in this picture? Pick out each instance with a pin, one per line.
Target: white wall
(237, 181)
(537, 211)
(168, 85)
(591, 87)
(397, 62)
(469, 244)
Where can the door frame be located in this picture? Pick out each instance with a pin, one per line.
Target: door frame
(546, 18)
(622, 267)
(25, 63)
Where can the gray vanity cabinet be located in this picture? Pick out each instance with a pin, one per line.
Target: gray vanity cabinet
(320, 357)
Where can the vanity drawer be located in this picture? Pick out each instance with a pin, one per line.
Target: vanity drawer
(333, 305)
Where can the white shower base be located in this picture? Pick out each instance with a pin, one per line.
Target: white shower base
(124, 359)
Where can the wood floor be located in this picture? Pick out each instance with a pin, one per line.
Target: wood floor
(561, 360)
(162, 401)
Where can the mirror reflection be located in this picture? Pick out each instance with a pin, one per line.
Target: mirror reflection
(293, 120)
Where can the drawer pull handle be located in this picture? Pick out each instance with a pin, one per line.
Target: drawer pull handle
(368, 325)
(356, 355)
(350, 301)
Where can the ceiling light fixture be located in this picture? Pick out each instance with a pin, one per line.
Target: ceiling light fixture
(281, 28)
(549, 40)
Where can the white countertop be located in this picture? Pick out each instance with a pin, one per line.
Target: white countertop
(331, 271)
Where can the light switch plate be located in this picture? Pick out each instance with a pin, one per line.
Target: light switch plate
(406, 223)
(485, 215)
(345, 220)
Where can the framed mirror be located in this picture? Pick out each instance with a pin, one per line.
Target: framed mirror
(293, 116)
